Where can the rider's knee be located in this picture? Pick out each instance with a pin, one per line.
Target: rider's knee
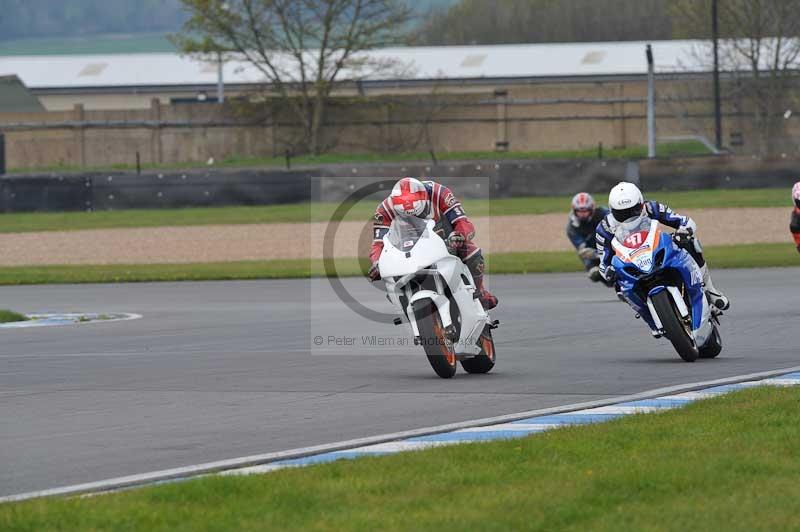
(475, 261)
(695, 249)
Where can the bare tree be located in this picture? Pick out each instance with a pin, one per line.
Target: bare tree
(761, 55)
(301, 47)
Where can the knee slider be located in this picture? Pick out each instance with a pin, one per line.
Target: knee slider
(476, 264)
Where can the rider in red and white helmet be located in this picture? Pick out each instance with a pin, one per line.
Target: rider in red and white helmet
(795, 225)
(581, 230)
(431, 200)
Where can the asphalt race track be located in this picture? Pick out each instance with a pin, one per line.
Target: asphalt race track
(228, 369)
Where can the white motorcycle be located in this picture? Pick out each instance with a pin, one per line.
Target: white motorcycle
(436, 293)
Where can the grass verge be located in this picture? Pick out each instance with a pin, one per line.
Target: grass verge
(319, 212)
(8, 316)
(729, 463)
(739, 256)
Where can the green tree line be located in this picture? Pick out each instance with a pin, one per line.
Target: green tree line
(20, 19)
(529, 21)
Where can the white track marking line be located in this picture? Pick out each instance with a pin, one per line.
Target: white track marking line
(68, 318)
(622, 410)
(677, 392)
(513, 427)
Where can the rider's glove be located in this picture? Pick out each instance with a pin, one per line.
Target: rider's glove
(610, 275)
(374, 273)
(456, 240)
(684, 235)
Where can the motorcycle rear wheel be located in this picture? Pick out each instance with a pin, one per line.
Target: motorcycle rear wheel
(438, 348)
(484, 362)
(674, 327)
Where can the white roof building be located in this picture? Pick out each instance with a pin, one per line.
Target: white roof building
(59, 79)
(419, 63)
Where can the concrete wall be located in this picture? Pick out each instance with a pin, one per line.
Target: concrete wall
(523, 117)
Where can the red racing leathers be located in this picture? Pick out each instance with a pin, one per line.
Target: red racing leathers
(795, 226)
(449, 215)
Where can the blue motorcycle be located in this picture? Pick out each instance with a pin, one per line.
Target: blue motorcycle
(663, 283)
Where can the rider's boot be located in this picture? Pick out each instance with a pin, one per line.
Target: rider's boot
(716, 297)
(594, 274)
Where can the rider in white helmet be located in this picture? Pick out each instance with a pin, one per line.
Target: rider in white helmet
(627, 206)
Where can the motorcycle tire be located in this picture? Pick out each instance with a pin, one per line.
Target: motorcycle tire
(713, 346)
(484, 362)
(438, 348)
(674, 327)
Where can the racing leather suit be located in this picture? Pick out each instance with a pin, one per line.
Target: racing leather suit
(656, 211)
(795, 226)
(449, 215)
(582, 233)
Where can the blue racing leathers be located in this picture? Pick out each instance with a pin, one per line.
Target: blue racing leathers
(656, 211)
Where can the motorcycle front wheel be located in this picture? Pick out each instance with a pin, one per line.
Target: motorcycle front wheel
(438, 348)
(675, 329)
(484, 362)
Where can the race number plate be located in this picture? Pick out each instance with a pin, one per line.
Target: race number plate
(635, 240)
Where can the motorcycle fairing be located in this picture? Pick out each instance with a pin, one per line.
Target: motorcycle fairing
(428, 256)
(643, 260)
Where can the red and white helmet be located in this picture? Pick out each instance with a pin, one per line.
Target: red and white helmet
(796, 194)
(583, 206)
(410, 198)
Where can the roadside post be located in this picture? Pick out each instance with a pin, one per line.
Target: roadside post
(2, 154)
(651, 105)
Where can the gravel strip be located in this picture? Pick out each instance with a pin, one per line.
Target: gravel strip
(220, 243)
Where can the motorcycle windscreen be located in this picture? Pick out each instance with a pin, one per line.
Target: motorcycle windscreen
(633, 234)
(405, 232)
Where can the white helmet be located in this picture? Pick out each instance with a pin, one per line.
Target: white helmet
(626, 202)
(410, 198)
(796, 194)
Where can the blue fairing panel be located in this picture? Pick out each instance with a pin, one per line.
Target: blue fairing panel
(674, 258)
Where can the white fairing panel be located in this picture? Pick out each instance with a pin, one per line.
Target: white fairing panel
(427, 254)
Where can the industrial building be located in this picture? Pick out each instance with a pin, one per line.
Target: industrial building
(132, 81)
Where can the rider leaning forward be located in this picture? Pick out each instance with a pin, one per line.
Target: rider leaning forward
(581, 231)
(431, 200)
(628, 207)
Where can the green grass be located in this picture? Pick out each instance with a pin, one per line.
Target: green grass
(729, 463)
(718, 257)
(739, 256)
(666, 150)
(318, 212)
(8, 316)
